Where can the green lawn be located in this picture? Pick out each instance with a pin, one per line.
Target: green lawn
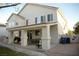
(8, 52)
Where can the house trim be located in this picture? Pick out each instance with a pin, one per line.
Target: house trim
(33, 26)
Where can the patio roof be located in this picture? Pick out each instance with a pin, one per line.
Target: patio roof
(33, 26)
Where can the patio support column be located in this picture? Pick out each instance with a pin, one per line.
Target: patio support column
(24, 38)
(10, 37)
(46, 37)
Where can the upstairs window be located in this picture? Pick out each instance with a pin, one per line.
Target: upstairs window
(50, 17)
(26, 22)
(9, 24)
(39, 20)
(35, 20)
(42, 19)
(14, 23)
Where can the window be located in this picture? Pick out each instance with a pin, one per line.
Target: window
(35, 20)
(9, 24)
(50, 17)
(42, 19)
(39, 20)
(37, 32)
(13, 23)
(26, 22)
(16, 23)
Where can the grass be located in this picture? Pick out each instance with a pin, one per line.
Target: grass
(4, 51)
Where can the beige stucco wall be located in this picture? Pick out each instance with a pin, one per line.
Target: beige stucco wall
(12, 35)
(16, 33)
(24, 38)
(62, 25)
(17, 19)
(54, 34)
(32, 11)
(46, 37)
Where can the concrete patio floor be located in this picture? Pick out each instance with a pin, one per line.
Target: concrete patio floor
(64, 50)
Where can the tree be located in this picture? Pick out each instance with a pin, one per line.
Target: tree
(76, 28)
(70, 33)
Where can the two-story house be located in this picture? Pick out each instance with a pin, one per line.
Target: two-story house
(37, 22)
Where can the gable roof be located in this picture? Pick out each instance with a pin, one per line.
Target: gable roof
(16, 15)
(45, 6)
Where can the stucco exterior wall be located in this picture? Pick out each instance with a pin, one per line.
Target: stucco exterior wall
(15, 19)
(62, 25)
(16, 33)
(24, 38)
(54, 34)
(32, 11)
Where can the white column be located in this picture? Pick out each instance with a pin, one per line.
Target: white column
(24, 38)
(10, 37)
(46, 37)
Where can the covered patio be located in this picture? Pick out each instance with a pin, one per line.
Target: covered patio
(30, 34)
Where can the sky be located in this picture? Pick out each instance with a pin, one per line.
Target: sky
(6, 12)
(70, 11)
